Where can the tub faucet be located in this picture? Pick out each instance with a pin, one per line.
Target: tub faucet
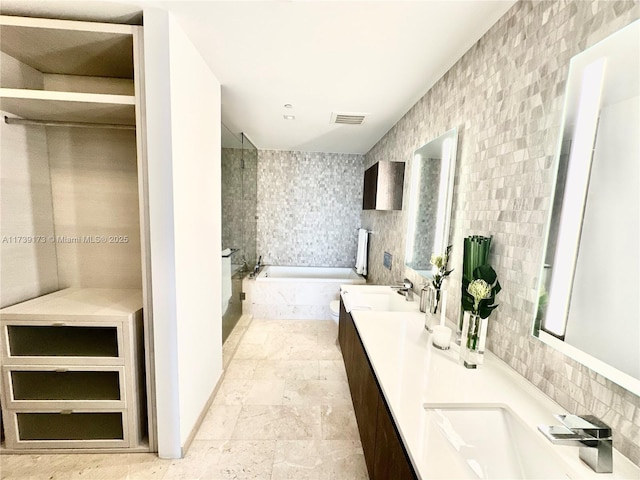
(591, 435)
(405, 289)
(256, 269)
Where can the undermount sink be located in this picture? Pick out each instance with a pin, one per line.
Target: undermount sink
(487, 442)
(378, 298)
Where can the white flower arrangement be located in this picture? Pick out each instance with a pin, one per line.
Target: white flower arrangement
(479, 290)
(439, 263)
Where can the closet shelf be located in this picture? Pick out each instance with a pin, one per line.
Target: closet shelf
(69, 47)
(68, 106)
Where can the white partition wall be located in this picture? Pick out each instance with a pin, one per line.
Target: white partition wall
(183, 134)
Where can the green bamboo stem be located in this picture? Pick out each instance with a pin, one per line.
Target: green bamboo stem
(475, 253)
(474, 332)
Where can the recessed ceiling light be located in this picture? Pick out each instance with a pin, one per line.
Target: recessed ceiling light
(289, 117)
(288, 105)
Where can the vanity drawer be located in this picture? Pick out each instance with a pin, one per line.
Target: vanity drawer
(66, 388)
(66, 429)
(45, 342)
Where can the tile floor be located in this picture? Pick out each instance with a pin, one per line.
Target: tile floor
(283, 411)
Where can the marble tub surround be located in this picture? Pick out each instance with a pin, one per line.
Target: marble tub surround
(300, 298)
(412, 373)
(287, 300)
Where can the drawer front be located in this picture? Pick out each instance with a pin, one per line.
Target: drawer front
(35, 387)
(43, 342)
(66, 429)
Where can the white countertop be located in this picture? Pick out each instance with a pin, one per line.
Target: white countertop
(411, 372)
(87, 304)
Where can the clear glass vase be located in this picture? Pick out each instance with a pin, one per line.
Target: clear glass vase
(473, 339)
(433, 308)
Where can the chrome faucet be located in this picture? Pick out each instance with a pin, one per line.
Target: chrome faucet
(256, 269)
(591, 435)
(405, 289)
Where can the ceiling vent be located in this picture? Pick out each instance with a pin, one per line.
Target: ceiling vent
(348, 118)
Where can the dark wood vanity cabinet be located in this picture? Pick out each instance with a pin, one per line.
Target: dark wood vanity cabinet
(384, 453)
(365, 395)
(345, 339)
(390, 459)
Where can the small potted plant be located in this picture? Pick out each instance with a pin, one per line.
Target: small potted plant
(478, 301)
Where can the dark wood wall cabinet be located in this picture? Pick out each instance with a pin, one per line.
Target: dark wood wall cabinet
(383, 186)
(384, 453)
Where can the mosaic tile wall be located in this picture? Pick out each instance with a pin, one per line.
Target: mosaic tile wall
(250, 202)
(239, 203)
(231, 197)
(309, 207)
(428, 210)
(505, 95)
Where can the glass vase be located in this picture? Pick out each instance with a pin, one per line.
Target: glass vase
(474, 254)
(432, 311)
(473, 339)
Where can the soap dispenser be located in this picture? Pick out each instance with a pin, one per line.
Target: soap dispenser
(424, 297)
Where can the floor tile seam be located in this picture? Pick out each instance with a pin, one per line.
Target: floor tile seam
(221, 466)
(280, 438)
(311, 418)
(233, 351)
(235, 422)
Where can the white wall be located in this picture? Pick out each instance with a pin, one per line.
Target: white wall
(195, 113)
(183, 134)
(27, 250)
(94, 185)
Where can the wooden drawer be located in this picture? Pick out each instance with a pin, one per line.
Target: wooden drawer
(36, 387)
(42, 342)
(66, 429)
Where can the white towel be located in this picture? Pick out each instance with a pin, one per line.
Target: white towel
(361, 257)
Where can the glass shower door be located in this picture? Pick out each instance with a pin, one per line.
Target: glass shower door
(239, 204)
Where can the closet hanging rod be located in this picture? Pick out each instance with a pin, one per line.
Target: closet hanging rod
(54, 123)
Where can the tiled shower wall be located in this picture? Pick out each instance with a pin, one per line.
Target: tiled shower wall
(250, 203)
(231, 197)
(309, 207)
(506, 96)
(239, 199)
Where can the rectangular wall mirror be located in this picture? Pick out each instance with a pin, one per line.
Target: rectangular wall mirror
(588, 294)
(430, 198)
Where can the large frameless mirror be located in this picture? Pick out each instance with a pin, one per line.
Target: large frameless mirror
(588, 294)
(431, 195)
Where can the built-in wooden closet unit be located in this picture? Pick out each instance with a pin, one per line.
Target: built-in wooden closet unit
(71, 95)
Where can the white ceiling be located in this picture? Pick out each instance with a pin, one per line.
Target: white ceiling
(372, 57)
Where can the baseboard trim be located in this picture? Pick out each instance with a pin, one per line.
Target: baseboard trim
(203, 413)
(246, 320)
